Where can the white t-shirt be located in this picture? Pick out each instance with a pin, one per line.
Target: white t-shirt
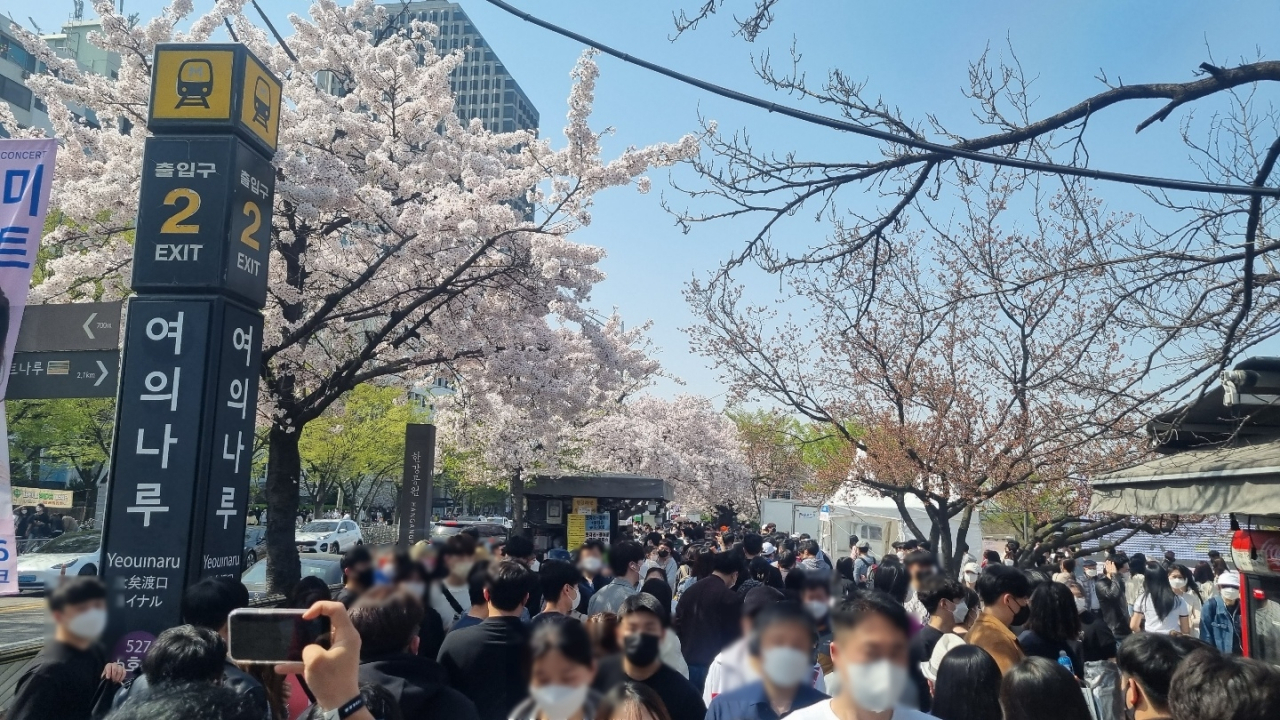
(441, 605)
(822, 711)
(1152, 623)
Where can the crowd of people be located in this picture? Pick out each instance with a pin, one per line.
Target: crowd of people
(688, 624)
(38, 523)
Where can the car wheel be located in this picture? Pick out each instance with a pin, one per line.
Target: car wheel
(250, 558)
(360, 542)
(88, 570)
(333, 548)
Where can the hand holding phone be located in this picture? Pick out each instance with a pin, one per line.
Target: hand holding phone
(331, 672)
(270, 636)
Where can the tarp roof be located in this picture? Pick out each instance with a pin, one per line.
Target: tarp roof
(617, 485)
(1243, 477)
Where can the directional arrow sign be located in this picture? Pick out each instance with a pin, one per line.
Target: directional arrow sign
(72, 326)
(45, 375)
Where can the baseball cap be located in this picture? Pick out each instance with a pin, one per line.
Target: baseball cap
(767, 549)
(864, 545)
(971, 567)
(1229, 579)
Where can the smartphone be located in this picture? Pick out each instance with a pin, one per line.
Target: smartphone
(269, 636)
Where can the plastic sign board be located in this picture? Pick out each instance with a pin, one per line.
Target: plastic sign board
(204, 87)
(58, 374)
(204, 218)
(39, 496)
(584, 506)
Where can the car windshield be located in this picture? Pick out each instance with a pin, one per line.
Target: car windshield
(320, 527)
(257, 575)
(73, 543)
(446, 530)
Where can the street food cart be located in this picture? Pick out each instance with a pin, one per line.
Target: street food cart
(1220, 455)
(566, 511)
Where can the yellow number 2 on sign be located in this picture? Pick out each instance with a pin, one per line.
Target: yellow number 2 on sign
(260, 102)
(193, 84)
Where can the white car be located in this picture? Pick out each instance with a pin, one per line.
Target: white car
(77, 553)
(331, 536)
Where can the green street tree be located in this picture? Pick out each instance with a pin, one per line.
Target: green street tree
(44, 434)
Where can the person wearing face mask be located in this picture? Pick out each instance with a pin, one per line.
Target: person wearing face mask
(815, 596)
(663, 557)
(486, 662)
(562, 668)
(1089, 583)
(1220, 616)
(451, 595)
(625, 559)
(969, 574)
(780, 648)
(1005, 594)
(944, 600)
(640, 633)
(871, 653)
(734, 667)
(920, 564)
(1112, 592)
(357, 575)
(1184, 586)
(387, 621)
(71, 672)
(412, 577)
(708, 615)
(558, 581)
(520, 549)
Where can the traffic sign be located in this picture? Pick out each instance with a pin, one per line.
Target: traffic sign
(57, 374)
(204, 218)
(214, 87)
(70, 326)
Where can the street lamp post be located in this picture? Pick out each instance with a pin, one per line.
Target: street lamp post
(419, 463)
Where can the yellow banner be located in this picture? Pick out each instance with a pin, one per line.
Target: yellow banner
(577, 531)
(39, 496)
(584, 506)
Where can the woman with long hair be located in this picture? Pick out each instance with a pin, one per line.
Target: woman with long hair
(1054, 626)
(632, 701)
(1159, 609)
(603, 630)
(892, 578)
(1039, 689)
(968, 686)
(562, 666)
(1185, 586)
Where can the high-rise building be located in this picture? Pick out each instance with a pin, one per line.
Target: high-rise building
(483, 87)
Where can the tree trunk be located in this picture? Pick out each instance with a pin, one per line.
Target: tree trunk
(284, 468)
(517, 503)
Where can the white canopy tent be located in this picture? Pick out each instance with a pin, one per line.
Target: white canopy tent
(876, 519)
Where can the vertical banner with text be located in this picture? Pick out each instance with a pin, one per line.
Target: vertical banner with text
(415, 493)
(26, 172)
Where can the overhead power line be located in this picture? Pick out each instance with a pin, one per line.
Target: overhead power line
(924, 145)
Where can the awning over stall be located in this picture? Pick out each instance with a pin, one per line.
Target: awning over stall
(622, 486)
(1243, 477)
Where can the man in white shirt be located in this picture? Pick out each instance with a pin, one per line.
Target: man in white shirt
(872, 651)
(732, 668)
(919, 565)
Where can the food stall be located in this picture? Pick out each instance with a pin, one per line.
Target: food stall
(568, 510)
(1220, 455)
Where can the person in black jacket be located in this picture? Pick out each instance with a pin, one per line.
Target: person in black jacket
(71, 674)
(388, 620)
(488, 662)
(1053, 627)
(207, 604)
(640, 633)
(412, 577)
(708, 615)
(1113, 604)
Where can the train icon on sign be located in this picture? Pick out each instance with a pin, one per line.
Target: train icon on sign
(261, 102)
(195, 82)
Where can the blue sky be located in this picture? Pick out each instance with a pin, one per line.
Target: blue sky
(914, 54)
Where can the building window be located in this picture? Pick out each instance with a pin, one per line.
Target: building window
(15, 93)
(509, 97)
(508, 126)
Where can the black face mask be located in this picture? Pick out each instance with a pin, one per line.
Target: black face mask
(663, 554)
(640, 649)
(365, 578)
(1020, 618)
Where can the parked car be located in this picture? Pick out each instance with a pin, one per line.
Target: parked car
(491, 534)
(77, 553)
(255, 544)
(331, 536)
(326, 567)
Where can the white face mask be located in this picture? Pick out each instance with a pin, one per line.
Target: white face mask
(1230, 593)
(875, 686)
(591, 564)
(817, 609)
(1008, 561)
(89, 624)
(785, 667)
(1080, 605)
(533, 566)
(577, 598)
(901, 555)
(415, 589)
(961, 611)
(462, 568)
(1091, 572)
(971, 577)
(1177, 583)
(559, 702)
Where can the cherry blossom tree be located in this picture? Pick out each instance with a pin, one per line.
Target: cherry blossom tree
(405, 243)
(1014, 392)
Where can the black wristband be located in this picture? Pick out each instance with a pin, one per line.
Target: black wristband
(349, 708)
